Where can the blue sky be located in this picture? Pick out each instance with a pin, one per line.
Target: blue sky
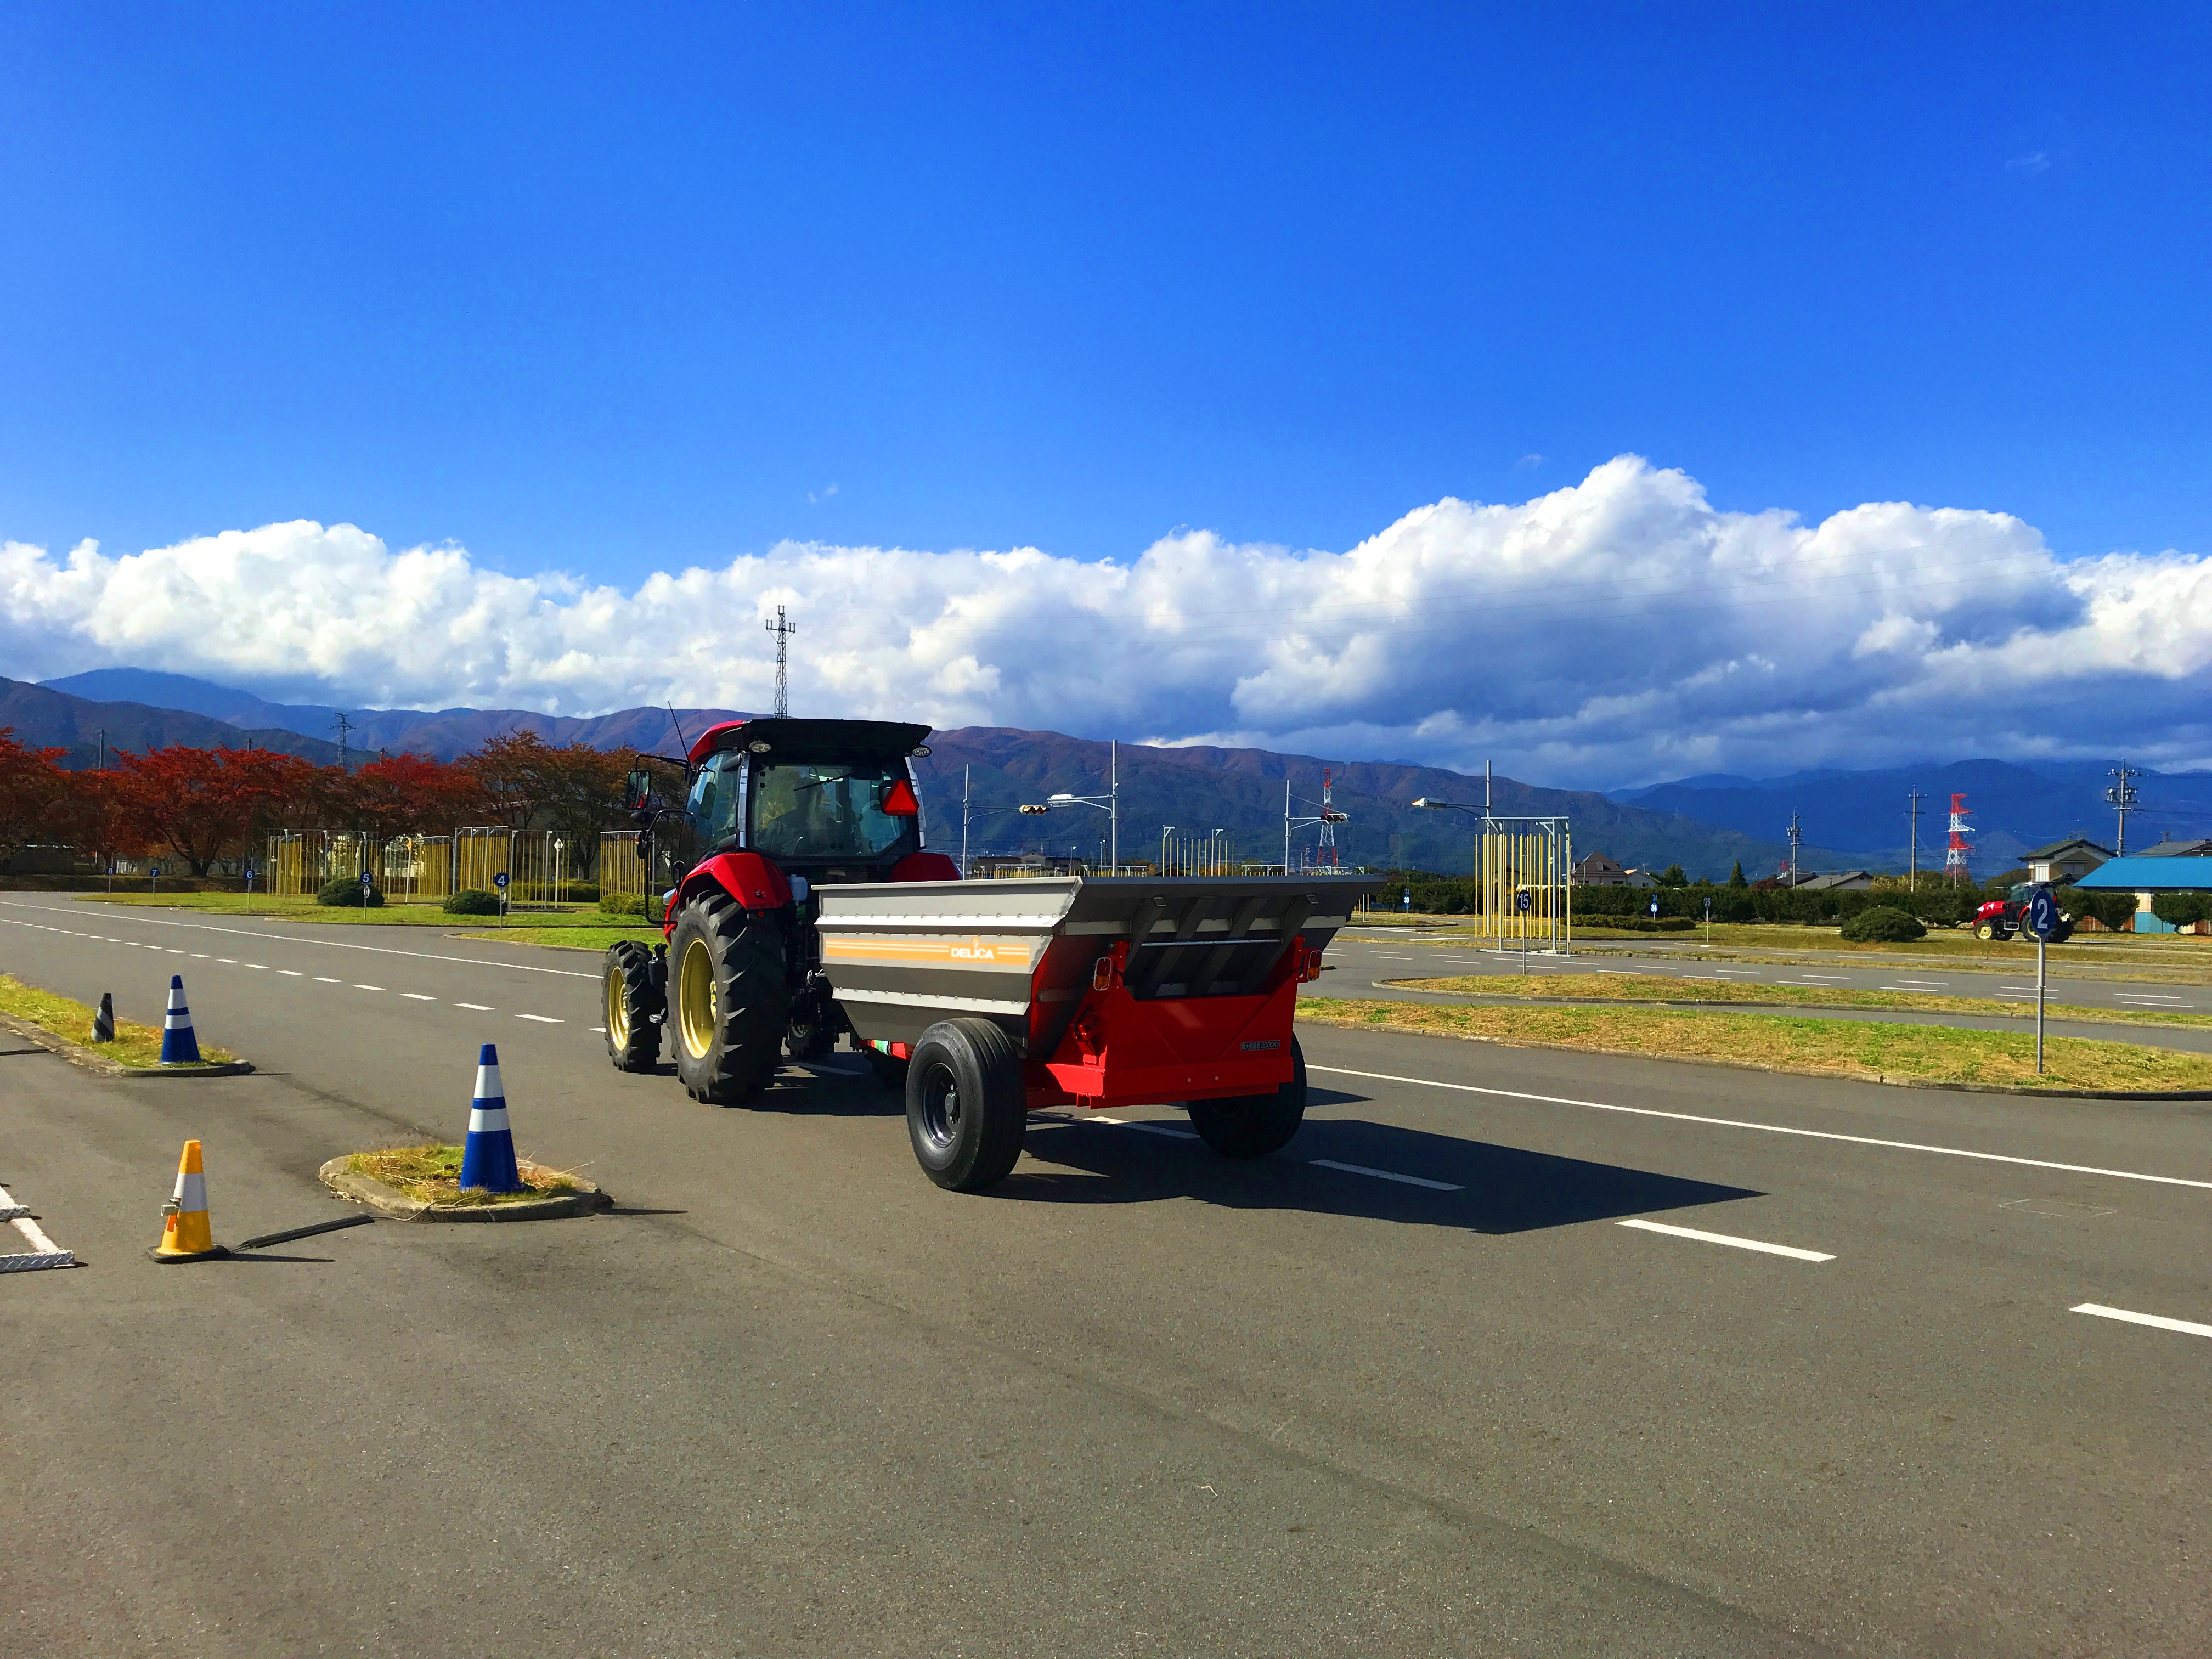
(526, 358)
(585, 293)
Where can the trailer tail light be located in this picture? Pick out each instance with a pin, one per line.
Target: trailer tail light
(1101, 974)
(1313, 965)
(900, 801)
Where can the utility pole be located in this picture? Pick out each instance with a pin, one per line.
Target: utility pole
(102, 766)
(344, 725)
(963, 823)
(1796, 837)
(783, 631)
(1913, 797)
(2122, 797)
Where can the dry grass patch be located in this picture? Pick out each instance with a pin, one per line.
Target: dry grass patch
(1653, 987)
(1836, 1048)
(432, 1176)
(137, 1046)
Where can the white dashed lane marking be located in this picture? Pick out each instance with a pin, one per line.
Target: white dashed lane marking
(368, 988)
(323, 980)
(417, 996)
(477, 1007)
(1732, 1242)
(543, 1019)
(2187, 1328)
(1387, 1175)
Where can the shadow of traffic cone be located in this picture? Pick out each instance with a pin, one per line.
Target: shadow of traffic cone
(186, 1235)
(103, 1022)
(487, 1156)
(180, 1045)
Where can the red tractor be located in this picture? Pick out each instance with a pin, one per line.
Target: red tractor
(2007, 918)
(772, 809)
(799, 905)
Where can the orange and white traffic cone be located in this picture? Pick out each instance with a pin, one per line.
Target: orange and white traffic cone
(186, 1234)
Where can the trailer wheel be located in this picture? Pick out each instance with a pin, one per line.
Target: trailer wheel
(635, 1001)
(965, 1107)
(729, 999)
(1252, 1125)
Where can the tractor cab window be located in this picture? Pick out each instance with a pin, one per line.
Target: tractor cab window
(713, 806)
(832, 811)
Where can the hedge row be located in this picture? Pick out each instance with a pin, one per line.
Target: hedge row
(1937, 904)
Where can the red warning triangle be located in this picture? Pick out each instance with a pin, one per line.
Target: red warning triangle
(900, 803)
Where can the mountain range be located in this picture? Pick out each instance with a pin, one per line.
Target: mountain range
(1195, 789)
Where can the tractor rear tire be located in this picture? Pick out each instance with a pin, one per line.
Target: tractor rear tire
(729, 1000)
(1252, 1125)
(635, 1001)
(966, 1109)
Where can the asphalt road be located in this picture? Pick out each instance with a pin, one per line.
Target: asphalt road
(1411, 1387)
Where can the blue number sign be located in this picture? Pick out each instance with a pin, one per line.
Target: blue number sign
(1524, 902)
(2042, 914)
(500, 880)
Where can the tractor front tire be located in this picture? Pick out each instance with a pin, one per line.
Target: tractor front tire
(635, 1001)
(1252, 1125)
(1987, 930)
(729, 1000)
(966, 1109)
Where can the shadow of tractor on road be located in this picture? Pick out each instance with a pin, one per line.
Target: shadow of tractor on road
(1503, 1190)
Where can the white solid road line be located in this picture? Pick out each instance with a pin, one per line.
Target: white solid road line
(1387, 1175)
(1768, 1128)
(1763, 1248)
(1149, 1129)
(329, 944)
(477, 1007)
(543, 1019)
(2187, 1328)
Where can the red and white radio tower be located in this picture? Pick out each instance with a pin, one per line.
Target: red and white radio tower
(1955, 855)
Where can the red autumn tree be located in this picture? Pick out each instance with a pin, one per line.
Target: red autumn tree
(203, 804)
(411, 795)
(34, 791)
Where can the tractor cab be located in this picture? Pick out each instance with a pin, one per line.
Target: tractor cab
(825, 801)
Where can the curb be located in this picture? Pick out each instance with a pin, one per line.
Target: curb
(1779, 1070)
(83, 1055)
(391, 1201)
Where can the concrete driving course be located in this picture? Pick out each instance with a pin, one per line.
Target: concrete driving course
(1411, 1387)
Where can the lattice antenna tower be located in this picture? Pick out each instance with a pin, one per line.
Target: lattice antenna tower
(1325, 848)
(344, 725)
(1957, 851)
(783, 631)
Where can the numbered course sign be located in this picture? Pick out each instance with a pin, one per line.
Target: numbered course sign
(499, 881)
(366, 881)
(1524, 901)
(1655, 907)
(2042, 914)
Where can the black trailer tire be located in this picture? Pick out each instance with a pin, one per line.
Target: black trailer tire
(966, 1110)
(1252, 1125)
(729, 999)
(890, 1071)
(634, 1000)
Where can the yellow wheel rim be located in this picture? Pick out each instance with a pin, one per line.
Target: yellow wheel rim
(617, 1010)
(695, 999)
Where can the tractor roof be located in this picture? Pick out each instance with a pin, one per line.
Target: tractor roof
(812, 740)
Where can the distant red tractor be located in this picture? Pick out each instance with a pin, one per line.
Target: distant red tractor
(2007, 918)
(799, 905)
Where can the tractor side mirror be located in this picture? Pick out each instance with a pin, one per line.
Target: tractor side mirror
(638, 789)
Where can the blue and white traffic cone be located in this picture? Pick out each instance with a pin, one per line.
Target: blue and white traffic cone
(178, 1044)
(488, 1155)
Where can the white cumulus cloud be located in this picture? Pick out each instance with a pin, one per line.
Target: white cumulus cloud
(1617, 630)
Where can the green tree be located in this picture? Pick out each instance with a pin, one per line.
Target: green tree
(1736, 875)
(1671, 876)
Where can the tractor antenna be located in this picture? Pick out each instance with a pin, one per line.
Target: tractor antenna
(681, 747)
(783, 631)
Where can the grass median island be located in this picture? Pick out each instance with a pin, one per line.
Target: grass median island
(138, 1047)
(1832, 1048)
(431, 1175)
(1654, 988)
(395, 912)
(577, 938)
